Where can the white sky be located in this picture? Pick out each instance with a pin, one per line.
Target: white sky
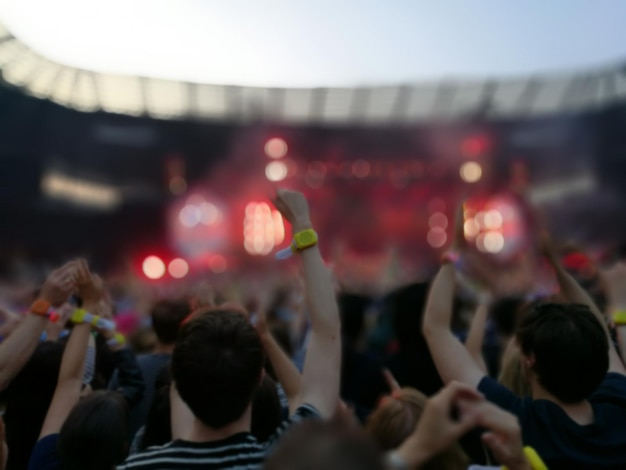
(324, 42)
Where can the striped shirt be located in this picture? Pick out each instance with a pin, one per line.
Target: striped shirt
(238, 452)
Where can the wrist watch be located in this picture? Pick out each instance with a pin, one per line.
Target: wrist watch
(304, 239)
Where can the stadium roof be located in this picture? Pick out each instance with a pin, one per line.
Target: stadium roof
(90, 91)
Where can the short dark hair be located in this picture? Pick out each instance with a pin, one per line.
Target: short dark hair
(167, 315)
(317, 444)
(570, 347)
(217, 365)
(95, 434)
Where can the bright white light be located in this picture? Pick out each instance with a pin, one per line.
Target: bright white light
(80, 191)
(263, 229)
(276, 171)
(471, 228)
(438, 219)
(492, 242)
(153, 267)
(178, 268)
(471, 172)
(437, 237)
(209, 213)
(276, 148)
(493, 219)
(190, 216)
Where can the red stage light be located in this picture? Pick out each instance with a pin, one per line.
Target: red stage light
(475, 146)
(276, 148)
(153, 267)
(178, 268)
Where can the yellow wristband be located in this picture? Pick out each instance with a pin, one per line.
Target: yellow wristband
(78, 316)
(619, 318)
(533, 459)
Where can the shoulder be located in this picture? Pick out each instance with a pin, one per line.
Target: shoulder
(501, 396)
(612, 389)
(44, 455)
(302, 413)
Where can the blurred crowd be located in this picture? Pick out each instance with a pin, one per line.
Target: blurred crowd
(489, 364)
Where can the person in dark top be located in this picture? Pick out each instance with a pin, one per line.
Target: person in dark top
(362, 379)
(412, 365)
(167, 315)
(575, 418)
(92, 432)
(217, 366)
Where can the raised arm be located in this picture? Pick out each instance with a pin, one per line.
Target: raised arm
(574, 292)
(69, 385)
(16, 350)
(452, 359)
(286, 371)
(476, 335)
(321, 374)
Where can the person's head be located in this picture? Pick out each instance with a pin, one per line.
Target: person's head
(512, 374)
(167, 315)
(312, 445)
(267, 413)
(217, 366)
(396, 418)
(95, 434)
(565, 349)
(28, 398)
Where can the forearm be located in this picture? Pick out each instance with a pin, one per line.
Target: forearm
(438, 312)
(17, 348)
(73, 363)
(475, 337)
(320, 294)
(286, 371)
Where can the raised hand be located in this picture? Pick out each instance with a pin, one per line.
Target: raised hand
(60, 284)
(90, 286)
(294, 207)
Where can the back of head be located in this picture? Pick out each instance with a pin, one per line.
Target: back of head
(217, 365)
(167, 315)
(27, 400)
(267, 412)
(315, 445)
(569, 346)
(396, 418)
(94, 434)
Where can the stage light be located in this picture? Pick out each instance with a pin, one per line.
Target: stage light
(276, 148)
(438, 219)
(209, 213)
(493, 219)
(276, 171)
(437, 237)
(471, 172)
(471, 228)
(218, 264)
(178, 185)
(475, 146)
(491, 242)
(436, 205)
(178, 268)
(153, 267)
(263, 228)
(190, 216)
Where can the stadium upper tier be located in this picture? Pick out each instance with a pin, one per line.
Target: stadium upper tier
(89, 91)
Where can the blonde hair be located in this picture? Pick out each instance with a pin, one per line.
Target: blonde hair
(512, 373)
(396, 418)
